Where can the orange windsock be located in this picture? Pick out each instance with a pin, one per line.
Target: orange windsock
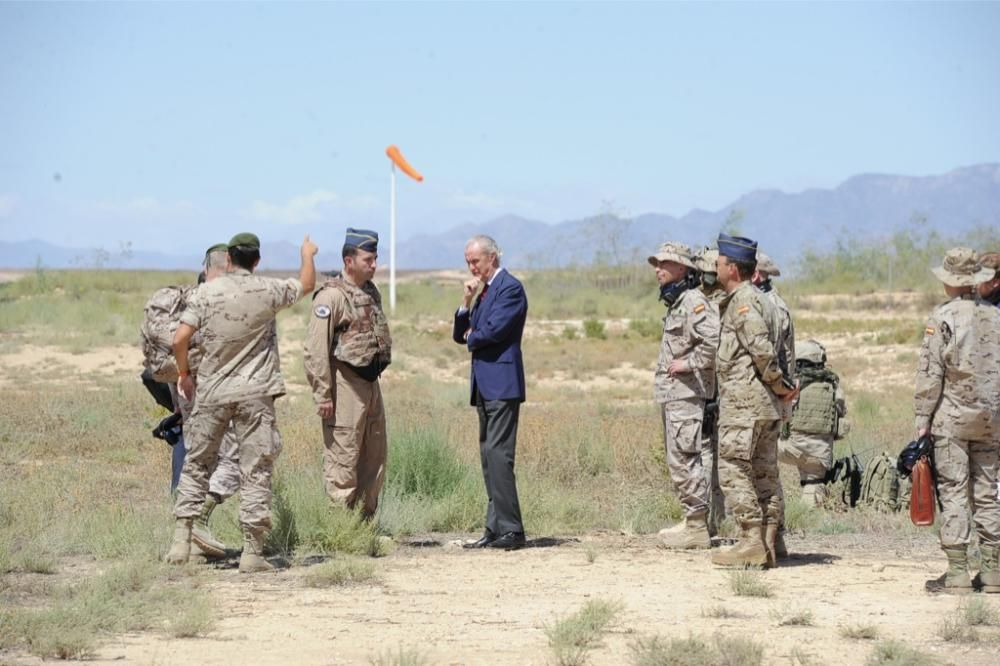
(397, 158)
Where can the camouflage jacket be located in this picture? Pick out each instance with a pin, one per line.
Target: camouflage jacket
(690, 333)
(958, 374)
(348, 324)
(785, 344)
(236, 316)
(750, 381)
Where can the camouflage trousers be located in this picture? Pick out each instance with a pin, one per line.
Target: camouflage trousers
(748, 472)
(682, 441)
(967, 482)
(354, 442)
(225, 478)
(259, 445)
(812, 454)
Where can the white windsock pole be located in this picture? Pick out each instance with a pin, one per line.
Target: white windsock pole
(397, 159)
(392, 239)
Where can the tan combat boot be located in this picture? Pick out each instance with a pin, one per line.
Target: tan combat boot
(180, 547)
(774, 542)
(693, 534)
(988, 578)
(201, 535)
(749, 551)
(956, 579)
(252, 560)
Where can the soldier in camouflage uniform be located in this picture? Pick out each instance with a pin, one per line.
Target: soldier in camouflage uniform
(990, 290)
(767, 269)
(346, 349)
(685, 377)
(957, 401)
(752, 389)
(808, 441)
(225, 478)
(238, 380)
(705, 263)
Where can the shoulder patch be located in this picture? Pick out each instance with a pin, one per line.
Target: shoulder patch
(698, 309)
(322, 311)
(743, 310)
(929, 330)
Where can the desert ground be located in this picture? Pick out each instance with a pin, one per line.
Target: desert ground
(854, 581)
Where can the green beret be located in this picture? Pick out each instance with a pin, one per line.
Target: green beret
(245, 239)
(218, 247)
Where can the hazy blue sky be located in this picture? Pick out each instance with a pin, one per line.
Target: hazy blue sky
(120, 122)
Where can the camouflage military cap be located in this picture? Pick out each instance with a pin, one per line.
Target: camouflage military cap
(672, 251)
(705, 261)
(810, 350)
(218, 247)
(766, 265)
(245, 239)
(961, 268)
(990, 260)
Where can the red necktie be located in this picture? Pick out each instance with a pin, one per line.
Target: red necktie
(482, 294)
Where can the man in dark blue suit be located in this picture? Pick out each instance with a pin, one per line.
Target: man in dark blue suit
(491, 325)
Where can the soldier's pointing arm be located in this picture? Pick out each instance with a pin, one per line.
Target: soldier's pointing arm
(327, 312)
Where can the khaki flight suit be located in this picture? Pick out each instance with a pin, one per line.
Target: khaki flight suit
(348, 336)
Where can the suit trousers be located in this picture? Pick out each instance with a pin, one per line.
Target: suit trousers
(497, 444)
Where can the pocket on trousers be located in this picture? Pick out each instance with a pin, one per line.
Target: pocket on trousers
(735, 442)
(687, 435)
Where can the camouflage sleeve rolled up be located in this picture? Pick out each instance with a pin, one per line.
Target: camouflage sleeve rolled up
(930, 370)
(705, 328)
(754, 335)
(285, 293)
(327, 313)
(194, 311)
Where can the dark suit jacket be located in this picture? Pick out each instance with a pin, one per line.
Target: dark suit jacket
(495, 341)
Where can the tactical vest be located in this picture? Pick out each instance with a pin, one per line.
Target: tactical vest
(816, 411)
(362, 340)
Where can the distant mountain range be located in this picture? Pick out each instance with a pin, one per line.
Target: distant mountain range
(867, 206)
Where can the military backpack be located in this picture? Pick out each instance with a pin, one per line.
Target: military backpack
(161, 317)
(881, 486)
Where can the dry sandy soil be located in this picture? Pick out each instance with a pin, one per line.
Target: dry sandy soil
(477, 607)
(469, 607)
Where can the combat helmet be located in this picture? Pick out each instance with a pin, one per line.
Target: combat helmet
(705, 260)
(811, 351)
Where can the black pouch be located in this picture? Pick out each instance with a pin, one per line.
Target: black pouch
(908, 457)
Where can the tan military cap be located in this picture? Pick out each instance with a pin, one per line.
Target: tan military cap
(990, 260)
(961, 268)
(672, 251)
(766, 265)
(705, 261)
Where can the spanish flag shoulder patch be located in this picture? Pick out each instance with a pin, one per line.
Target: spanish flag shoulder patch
(743, 310)
(699, 308)
(929, 330)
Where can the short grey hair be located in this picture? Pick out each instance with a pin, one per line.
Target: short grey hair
(216, 260)
(486, 244)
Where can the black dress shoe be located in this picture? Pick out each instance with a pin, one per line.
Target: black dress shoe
(509, 541)
(484, 541)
